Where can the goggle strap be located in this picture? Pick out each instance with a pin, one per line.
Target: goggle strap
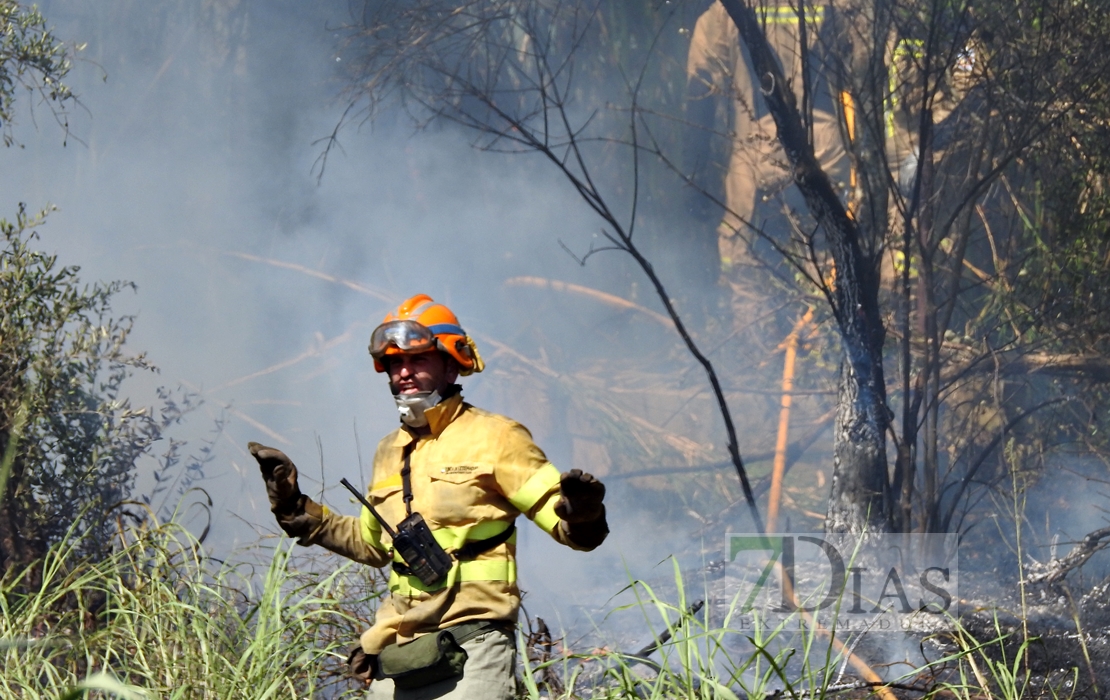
(448, 328)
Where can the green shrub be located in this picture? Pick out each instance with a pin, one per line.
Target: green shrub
(70, 440)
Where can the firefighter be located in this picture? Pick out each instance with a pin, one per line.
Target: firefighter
(750, 160)
(469, 473)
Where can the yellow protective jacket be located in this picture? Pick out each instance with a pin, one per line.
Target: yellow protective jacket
(471, 477)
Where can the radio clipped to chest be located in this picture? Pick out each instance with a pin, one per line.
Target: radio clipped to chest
(424, 557)
(413, 540)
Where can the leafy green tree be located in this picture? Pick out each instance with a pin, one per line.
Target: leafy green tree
(32, 59)
(70, 440)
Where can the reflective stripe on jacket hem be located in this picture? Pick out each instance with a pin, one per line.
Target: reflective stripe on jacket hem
(452, 538)
(481, 570)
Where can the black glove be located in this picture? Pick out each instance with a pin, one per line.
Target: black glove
(581, 510)
(280, 475)
(581, 497)
(297, 514)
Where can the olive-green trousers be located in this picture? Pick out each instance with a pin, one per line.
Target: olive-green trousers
(487, 675)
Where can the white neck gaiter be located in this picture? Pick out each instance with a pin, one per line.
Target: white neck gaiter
(412, 407)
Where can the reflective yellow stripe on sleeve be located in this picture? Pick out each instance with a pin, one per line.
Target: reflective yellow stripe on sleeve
(535, 488)
(371, 530)
(546, 518)
(386, 483)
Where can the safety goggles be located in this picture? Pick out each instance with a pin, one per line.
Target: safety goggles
(405, 335)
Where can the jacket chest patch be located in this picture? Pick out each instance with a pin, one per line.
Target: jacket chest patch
(460, 470)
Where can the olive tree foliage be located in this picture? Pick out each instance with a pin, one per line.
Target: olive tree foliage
(947, 110)
(32, 60)
(1062, 284)
(1056, 283)
(71, 440)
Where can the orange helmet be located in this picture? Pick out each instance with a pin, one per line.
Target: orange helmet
(420, 324)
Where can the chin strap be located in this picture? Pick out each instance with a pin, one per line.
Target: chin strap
(412, 407)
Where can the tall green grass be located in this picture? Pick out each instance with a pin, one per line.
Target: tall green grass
(158, 619)
(703, 657)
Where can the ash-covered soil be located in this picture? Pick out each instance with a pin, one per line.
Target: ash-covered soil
(1060, 637)
(1056, 645)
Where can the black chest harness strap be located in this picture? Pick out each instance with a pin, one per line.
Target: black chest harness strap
(468, 551)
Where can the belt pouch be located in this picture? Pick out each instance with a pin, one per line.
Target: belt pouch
(425, 660)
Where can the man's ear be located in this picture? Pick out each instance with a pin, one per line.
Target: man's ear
(450, 369)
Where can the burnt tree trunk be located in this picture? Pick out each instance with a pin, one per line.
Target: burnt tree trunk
(860, 492)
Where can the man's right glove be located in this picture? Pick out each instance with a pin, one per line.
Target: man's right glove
(362, 666)
(581, 508)
(296, 513)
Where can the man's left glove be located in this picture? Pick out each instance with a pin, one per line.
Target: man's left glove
(581, 508)
(296, 513)
(581, 496)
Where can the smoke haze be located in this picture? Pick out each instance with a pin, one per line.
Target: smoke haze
(189, 170)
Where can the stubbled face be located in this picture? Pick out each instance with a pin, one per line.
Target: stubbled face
(426, 371)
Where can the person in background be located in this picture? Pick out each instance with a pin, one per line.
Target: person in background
(731, 148)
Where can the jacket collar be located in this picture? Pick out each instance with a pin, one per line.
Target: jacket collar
(439, 417)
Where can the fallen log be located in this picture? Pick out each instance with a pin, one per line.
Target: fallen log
(1055, 569)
